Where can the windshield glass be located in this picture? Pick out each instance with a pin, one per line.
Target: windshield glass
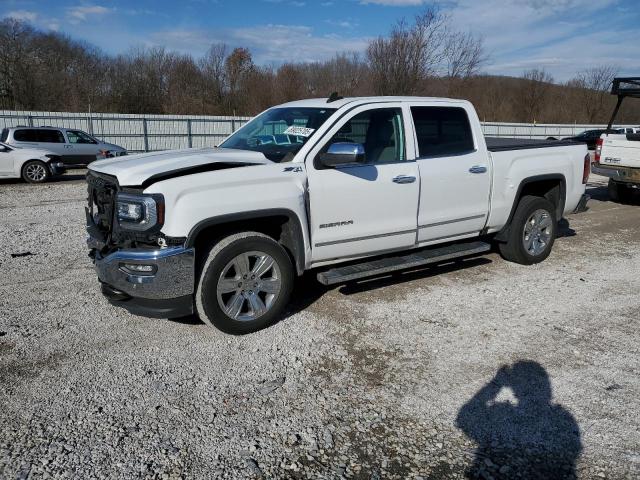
(279, 133)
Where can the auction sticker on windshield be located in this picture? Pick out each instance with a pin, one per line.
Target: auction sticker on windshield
(301, 131)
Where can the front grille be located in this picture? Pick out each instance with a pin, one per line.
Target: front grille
(102, 191)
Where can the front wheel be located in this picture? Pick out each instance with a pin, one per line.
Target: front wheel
(245, 284)
(35, 171)
(532, 231)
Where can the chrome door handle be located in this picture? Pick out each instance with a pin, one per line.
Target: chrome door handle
(404, 179)
(478, 169)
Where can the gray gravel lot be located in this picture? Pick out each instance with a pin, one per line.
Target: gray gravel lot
(484, 367)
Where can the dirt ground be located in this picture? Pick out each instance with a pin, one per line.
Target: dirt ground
(479, 368)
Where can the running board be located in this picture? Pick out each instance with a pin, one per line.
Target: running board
(392, 264)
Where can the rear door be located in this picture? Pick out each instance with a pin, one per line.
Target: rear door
(370, 207)
(455, 171)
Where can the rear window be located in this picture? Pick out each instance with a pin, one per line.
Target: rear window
(25, 135)
(38, 135)
(442, 131)
(4, 135)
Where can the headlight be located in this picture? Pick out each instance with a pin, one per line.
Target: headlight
(139, 212)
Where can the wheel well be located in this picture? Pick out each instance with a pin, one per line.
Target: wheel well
(551, 187)
(281, 227)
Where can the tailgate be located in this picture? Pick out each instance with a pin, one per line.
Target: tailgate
(621, 150)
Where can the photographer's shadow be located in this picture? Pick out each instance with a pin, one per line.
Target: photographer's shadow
(519, 431)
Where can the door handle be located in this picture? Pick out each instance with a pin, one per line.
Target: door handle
(404, 179)
(478, 169)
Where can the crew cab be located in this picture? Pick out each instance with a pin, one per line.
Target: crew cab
(617, 154)
(349, 187)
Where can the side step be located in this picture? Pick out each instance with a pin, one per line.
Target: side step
(392, 264)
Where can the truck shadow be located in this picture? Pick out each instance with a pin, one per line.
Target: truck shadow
(308, 290)
(518, 429)
(600, 192)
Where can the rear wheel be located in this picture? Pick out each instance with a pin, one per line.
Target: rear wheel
(245, 284)
(35, 171)
(532, 231)
(618, 192)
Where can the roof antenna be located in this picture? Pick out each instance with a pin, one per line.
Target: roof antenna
(333, 97)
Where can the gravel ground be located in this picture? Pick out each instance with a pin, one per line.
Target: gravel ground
(480, 368)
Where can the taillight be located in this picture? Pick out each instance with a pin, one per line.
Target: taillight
(596, 157)
(587, 169)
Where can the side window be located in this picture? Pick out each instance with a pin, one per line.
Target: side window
(379, 131)
(50, 136)
(25, 135)
(77, 136)
(5, 135)
(442, 131)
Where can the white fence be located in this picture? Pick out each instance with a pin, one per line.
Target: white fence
(139, 133)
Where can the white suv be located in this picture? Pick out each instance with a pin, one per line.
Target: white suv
(75, 147)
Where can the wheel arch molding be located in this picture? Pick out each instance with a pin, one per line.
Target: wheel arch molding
(546, 187)
(281, 224)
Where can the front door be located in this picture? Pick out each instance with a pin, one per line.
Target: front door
(455, 172)
(82, 149)
(367, 207)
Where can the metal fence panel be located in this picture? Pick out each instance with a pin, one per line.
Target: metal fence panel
(139, 133)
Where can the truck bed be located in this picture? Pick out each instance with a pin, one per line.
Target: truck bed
(501, 144)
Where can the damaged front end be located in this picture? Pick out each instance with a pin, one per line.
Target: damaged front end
(139, 268)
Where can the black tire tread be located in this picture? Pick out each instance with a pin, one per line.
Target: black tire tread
(513, 250)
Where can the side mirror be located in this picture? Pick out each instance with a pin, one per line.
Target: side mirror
(342, 153)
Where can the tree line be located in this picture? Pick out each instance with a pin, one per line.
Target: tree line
(44, 70)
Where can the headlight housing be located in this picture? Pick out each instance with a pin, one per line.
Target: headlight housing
(139, 212)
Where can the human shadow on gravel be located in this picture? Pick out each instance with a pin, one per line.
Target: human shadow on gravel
(528, 437)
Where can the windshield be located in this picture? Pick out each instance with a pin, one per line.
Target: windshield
(279, 133)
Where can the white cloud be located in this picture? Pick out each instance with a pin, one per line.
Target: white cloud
(81, 12)
(551, 34)
(24, 15)
(267, 43)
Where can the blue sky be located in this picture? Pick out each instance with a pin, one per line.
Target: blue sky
(562, 36)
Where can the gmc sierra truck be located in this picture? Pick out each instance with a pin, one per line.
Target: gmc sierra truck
(349, 187)
(617, 154)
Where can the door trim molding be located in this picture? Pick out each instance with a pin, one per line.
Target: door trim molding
(447, 222)
(368, 237)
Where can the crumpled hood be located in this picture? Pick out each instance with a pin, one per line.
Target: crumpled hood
(136, 170)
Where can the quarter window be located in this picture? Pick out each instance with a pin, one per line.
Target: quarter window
(442, 131)
(380, 131)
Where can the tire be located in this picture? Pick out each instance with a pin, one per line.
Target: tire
(230, 265)
(35, 171)
(618, 192)
(533, 247)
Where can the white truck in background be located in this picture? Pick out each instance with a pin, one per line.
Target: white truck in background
(617, 155)
(349, 187)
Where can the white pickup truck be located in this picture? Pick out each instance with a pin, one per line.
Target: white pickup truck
(350, 187)
(617, 154)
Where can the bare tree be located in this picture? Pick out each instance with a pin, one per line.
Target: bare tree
(410, 54)
(463, 56)
(212, 66)
(533, 93)
(593, 87)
